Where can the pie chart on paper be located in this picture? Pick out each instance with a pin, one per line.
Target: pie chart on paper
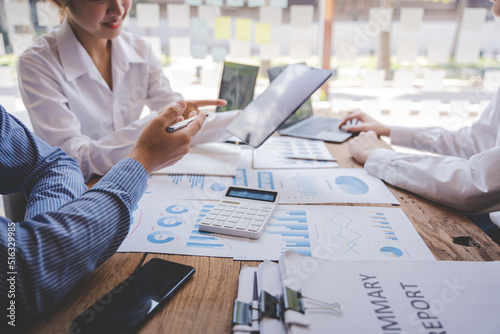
(391, 251)
(351, 185)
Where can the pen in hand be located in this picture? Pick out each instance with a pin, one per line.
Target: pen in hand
(180, 125)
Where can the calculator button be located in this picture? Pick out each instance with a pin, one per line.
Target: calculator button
(206, 222)
(241, 211)
(233, 220)
(225, 214)
(229, 209)
(230, 225)
(253, 228)
(222, 219)
(247, 216)
(210, 217)
(217, 223)
(259, 219)
(237, 215)
(242, 224)
(257, 223)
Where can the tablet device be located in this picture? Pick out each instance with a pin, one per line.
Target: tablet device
(237, 85)
(277, 103)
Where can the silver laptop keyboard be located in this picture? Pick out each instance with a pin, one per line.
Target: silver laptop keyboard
(317, 125)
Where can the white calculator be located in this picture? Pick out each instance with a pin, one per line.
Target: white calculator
(242, 212)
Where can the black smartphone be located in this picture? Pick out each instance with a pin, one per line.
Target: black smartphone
(126, 308)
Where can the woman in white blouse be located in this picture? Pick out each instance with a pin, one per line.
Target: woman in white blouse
(85, 86)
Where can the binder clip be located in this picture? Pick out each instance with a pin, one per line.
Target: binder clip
(269, 306)
(294, 300)
(242, 313)
(294, 308)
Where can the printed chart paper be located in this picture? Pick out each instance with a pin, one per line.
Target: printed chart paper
(364, 233)
(277, 152)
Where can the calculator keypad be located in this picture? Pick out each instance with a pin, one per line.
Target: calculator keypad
(239, 219)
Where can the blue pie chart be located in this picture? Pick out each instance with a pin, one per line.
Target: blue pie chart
(177, 209)
(351, 185)
(391, 251)
(161, 237)
(218, 187)
(170, 221)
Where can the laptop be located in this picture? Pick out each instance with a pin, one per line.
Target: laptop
(286, 93)
(237, 85)
(304, 124)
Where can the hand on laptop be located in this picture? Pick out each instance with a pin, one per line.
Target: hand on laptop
(363, 145)
(357, 121)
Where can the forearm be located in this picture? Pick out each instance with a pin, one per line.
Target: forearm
(468, 185)
(54, 250)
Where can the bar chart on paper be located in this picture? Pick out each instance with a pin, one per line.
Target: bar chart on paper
(178, 186)
(288, 230)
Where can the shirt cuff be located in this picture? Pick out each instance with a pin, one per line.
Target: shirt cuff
(378, 162)
(130, 175)
(401, 136)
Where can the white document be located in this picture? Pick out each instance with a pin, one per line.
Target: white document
(364, 233)
(209, 13)
(296, 153)
(148, 15)
(207, 159)
(403, 297)
(338, 185)
(171, 227)
(269, 278)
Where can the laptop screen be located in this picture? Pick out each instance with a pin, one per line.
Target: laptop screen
(277, 103)
(303, 112)
(237, 85)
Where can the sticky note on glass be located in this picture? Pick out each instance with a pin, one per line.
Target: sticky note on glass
(199, 26)
(223, 27)
(272, 15)
(194, 2)
(20, 42)
(411, 18)
(148, 15)
(438, 52)
(209, 13)
(374, 78)
(178, 16)
(407, 51)
(219, 54)
(180, 47)
(235, 3)
(239, 49)
(468, 52)
(279, 3)
(256, 3)
(155, 42)
(47, 14)
(380, 18)
(198, 51)
(243, 29)
(270, 51)
(403, 79)
(2, 45)
(217, 3)
(301, 16)
(262, 33)
(18, 13)
(473, 19)
(433, 79)
(300, 49)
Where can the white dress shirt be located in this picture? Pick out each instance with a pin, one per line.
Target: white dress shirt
(466, 175)
(72, 106)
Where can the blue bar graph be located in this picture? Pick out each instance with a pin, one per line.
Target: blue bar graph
(291, 226)
(379, 221)
(241, 178)
(306, 186)
(266, 180)
(204, 239)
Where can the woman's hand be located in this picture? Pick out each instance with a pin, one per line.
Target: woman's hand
(357, 121)
(193, 105)
(363, 145)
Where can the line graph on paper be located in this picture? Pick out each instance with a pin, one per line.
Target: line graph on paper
(343, 228)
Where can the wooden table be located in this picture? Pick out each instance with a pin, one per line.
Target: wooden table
(205, 303)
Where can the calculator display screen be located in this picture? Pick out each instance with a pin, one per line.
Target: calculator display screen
(260, 195)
